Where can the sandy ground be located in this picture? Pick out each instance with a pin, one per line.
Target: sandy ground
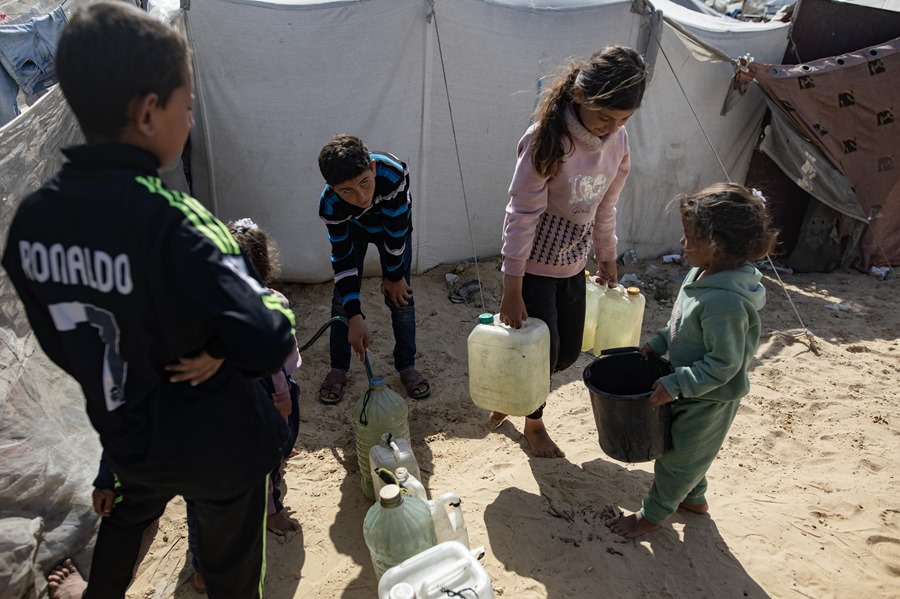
(804, 496)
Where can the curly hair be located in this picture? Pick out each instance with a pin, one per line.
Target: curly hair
(344, 157)
(614, 78)
(261, 250)
(732, 218)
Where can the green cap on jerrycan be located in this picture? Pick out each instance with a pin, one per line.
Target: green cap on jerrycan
(486, 318)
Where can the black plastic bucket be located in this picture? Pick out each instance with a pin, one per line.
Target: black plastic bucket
(630, 429)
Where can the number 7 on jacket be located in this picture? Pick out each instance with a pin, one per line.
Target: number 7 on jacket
(68, 315)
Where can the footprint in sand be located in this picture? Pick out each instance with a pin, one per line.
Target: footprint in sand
(887, 549)
(891, 517)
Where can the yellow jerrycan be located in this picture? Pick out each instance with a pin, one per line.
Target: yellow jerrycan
(509, 369)
(620, 315)
(592, 293)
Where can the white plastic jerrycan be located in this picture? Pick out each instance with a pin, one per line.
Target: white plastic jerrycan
(412, 484)
(592, 293)
(391, 453)
(509, 369)
(449, 525)
(620, 314)
(431, 574)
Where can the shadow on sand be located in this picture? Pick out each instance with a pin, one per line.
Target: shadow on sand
(571, 552)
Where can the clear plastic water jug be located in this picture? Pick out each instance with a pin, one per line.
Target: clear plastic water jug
(592, 294)
(378, 411)
(620, 314)
(391, 453)
(445, 570)
(449, 525)
(396, 528)
(509, 369)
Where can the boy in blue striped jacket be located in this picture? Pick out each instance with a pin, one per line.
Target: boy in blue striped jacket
(367, 200)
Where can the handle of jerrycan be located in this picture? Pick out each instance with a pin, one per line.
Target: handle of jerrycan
(620, 350)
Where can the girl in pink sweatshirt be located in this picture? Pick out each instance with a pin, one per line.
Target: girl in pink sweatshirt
(572, 164)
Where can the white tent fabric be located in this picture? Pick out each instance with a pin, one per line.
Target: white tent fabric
(276, 80)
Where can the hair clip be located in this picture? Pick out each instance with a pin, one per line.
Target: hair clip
(243, 225)
(759, 196)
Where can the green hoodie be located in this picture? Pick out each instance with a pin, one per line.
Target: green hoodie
(712, 334)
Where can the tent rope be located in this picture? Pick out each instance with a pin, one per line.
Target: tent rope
(458, 159)
(805, 331)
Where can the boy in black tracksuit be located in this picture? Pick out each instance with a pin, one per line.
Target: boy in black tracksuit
(120, 278)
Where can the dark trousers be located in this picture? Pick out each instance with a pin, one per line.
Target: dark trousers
(403, 318)
(229, 539)
(275, 477)
(559, 303)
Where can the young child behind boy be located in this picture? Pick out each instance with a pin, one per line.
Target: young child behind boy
(121, 277)
(280, 385)
(711, 338)
(367, 200)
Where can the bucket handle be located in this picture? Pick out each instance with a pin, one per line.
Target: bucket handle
(619, 350)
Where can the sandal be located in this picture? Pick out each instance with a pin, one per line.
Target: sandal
(417, 386)
(332, 389)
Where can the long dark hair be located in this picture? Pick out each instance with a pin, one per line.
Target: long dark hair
(614, 77)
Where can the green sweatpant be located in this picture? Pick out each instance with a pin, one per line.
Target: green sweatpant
(699, 427)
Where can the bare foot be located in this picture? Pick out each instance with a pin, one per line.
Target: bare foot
(697, 508)
(199, 583)
(65, 582)
(542, 446)
(294, 453)
(279, 524)
(496, 419)
(633, 526)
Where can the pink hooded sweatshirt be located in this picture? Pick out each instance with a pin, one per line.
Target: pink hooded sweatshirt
(552, 223)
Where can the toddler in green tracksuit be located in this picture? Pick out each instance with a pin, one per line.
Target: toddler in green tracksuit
(710, 338)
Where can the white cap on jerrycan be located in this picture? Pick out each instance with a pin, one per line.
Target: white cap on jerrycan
(509, 369)
(404, 590)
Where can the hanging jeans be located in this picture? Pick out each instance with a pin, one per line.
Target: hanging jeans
(27, 55)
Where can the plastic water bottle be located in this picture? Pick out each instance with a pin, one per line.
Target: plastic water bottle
(449, 525)
(396, 528)
(391, 453)
(592, 294)
(412, 484)
(445, 570)
(620, 314)
(509, 369)
(378, 411)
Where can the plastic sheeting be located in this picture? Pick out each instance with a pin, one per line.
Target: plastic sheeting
(276, 81)
(48, 449)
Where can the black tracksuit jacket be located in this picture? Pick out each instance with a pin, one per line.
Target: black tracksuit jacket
(119, 277)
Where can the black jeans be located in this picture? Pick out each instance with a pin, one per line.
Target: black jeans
(559, 303)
